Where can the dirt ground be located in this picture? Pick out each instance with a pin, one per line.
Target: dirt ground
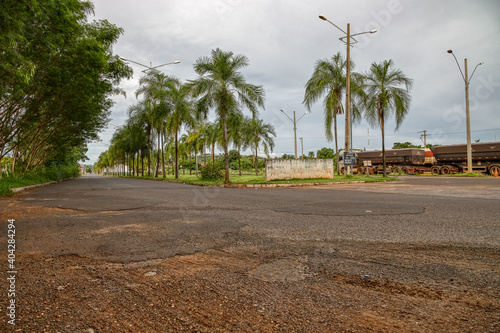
(248, 285)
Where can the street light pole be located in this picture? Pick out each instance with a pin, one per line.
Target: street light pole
(467, 109)
(295, 121)
(348, 116)
(150, 67)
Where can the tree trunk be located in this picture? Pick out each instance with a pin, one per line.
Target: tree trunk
(336, 144)
(256, 161)
(158, 159)
(239, 159)
(142, 162)
(195, 162)
(163, 153)
(189, 162)
(226, 154)
(176, 156)
(384, 171)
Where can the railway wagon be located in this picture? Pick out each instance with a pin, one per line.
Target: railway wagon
(453, 158)
(407, 161)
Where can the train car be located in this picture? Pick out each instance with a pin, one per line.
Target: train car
(443, 160)
(407, 161)
(453, 158)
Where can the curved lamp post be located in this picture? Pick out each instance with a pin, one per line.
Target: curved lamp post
(150, 67)
(295, 121)
(467, 110)
(347, 40)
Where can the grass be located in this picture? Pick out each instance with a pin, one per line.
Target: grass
(8, 182)
(249, 179)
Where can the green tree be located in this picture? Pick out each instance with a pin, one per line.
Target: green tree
(182, 113)
(260, 133)
(329, 81)
(221, 86)
(402, 145)
(387, 92)
(156, 88)
(325, 153)
(57, 76)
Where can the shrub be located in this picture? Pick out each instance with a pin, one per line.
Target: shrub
(213, 171)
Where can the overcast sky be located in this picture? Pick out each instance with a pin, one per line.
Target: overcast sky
(284, 38)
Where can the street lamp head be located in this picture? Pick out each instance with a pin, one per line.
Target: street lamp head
(282, 111)
(124, 59)
(176, 62)
(373, 31)
(323, 17)
(481, 63)
(450, 51)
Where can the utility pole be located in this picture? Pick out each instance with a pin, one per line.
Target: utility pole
(294, 121)
(425, 137)
(302, 146)
(467, 109)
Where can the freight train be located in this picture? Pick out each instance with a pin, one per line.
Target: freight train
(436, 160)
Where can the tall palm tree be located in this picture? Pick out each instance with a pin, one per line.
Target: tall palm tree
(155, 88)
(223, 87)
(259, 133)
(387, 91)
(182, 113)
(142, 114)
(329, 80)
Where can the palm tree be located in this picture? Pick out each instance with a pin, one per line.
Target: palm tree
(182, 113)
(329, 80)
(221, 86)
(196, 141)
(209, 133)
(155, 87)
(387, 91)
(142, 114)
(260, 133)
(237, 133)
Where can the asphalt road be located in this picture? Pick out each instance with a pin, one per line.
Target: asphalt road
(102, 254)
(125, 220)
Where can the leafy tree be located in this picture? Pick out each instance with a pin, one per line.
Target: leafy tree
(57, 74)
(221, 86)
(325, 153)
(387, 92)
(399, 145)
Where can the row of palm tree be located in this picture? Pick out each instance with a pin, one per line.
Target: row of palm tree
(377, 94)
(167, 106)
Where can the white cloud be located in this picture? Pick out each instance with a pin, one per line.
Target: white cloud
(283, 40)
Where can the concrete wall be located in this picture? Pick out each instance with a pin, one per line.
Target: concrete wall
(307, 168)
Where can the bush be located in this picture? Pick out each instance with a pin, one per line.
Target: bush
(213, 171)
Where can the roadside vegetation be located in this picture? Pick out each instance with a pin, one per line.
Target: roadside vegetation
(42, 175)
(252, 179)
(57, 77)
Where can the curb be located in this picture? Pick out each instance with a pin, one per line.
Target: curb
(287, 185)
(30, 187)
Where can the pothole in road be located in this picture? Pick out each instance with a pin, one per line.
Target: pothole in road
(352, 209)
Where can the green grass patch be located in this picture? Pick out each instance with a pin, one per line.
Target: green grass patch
(249, 179)
(45, 175)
